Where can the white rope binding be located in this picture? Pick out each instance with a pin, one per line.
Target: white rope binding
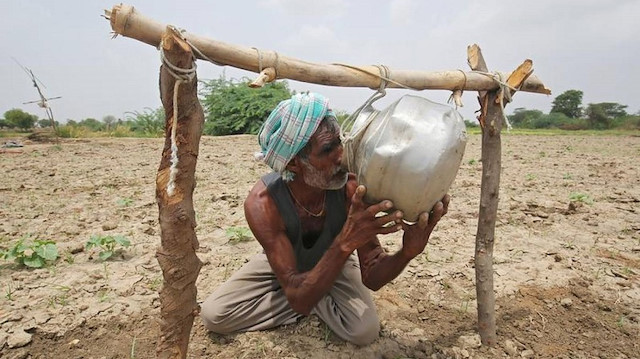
(505, 92)
(182, 76)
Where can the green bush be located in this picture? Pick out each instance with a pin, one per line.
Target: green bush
(34, 254)
(232, 107)
(122, 131)
(148, 123)
(107, 245)
(70, 131)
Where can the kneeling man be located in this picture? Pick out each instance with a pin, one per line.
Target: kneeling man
(310, 218)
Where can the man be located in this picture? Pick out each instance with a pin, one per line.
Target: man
(310, 218)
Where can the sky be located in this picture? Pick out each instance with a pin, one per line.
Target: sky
(588, 45)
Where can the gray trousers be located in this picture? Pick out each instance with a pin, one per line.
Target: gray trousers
(252, 299)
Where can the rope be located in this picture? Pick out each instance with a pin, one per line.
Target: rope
(276, 62)
(193, 47)
(381, 77)
(181, 76)
(349, 141)
(460, 88)
(505, 92)
(259, 59)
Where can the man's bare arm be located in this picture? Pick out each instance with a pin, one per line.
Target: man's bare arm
(379, 268)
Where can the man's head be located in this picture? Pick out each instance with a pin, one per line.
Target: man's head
(320, 161)
(293, 127)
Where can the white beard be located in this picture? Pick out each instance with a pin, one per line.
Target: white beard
(315, 178)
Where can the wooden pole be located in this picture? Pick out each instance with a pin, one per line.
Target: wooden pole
(176, 255)
(126, 21)
(491, 118)
(491, 122)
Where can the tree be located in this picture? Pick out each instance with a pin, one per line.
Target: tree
(233, 107)
(569, 103)
(524, 118)
(613, 109)
(20, 119)
(45, 122)
(601, 115)
(149, 122)
(109, 121)
(92, 124)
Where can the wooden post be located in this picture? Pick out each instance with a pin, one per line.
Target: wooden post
(176, 255)
(491, 118)
(491, 122)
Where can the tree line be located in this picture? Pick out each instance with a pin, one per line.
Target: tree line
(231, 108)
(568, 113)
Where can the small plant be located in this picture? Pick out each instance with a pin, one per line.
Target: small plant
(238, 234)
(472, 162)
(580, 197)
(530, 177)
(62, 298)
(155, 283)
(567, 176)
(107, 245)
(68, 257)
(103, 295)
(9, 292)
(34, 255)
(125, 202)
(445, 284)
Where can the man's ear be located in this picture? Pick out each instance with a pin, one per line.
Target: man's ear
(294, 165)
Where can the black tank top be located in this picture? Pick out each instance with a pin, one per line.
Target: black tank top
(307, 256)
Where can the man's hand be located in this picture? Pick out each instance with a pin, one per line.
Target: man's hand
(416, 235)
(362, 225)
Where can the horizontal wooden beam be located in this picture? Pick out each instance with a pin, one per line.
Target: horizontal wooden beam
(126, 21)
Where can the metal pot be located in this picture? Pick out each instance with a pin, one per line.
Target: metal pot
(408, 153)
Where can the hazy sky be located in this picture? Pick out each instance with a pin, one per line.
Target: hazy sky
(589, 45)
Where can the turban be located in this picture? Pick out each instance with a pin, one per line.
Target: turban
(289, 128)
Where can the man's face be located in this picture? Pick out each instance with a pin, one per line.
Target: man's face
(323, 169)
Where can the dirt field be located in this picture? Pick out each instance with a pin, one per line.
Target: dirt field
(567, 273)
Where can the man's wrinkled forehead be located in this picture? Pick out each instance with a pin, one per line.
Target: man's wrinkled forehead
(327, 134)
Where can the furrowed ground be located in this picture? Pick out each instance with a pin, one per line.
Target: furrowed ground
(567, 255)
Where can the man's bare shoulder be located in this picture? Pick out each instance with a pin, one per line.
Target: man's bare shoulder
(261, 213)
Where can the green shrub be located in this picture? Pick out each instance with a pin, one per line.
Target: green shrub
(107, 245)
(238, 234)
(122, 131)
(35, 254)
(580, 197)
(70, 131)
